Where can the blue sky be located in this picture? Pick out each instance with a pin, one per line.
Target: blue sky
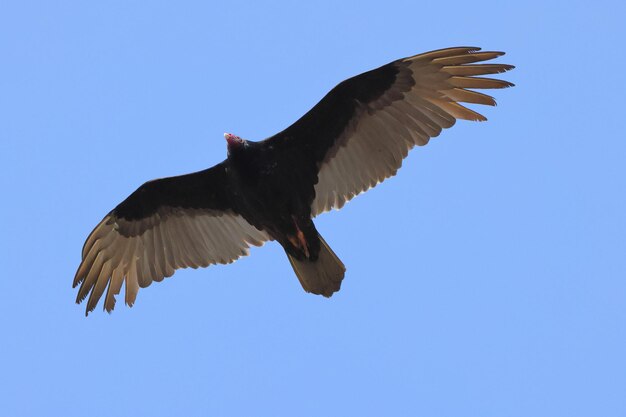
(486, 279)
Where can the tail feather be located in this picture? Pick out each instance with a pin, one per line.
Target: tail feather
(322, 276)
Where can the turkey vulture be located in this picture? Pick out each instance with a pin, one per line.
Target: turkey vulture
(353, 139)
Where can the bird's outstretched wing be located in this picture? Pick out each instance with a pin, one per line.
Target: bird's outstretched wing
(359, 133)
(166, 224)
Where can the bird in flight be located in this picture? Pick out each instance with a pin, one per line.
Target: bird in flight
(353, 139)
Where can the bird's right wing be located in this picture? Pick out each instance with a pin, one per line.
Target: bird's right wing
(359, 133)
(166, 224)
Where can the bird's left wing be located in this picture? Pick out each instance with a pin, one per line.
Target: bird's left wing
(166, 224)
(360, 132)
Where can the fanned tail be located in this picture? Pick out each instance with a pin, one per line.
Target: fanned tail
(322, 276)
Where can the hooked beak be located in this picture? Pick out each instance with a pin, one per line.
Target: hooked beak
(231, 139)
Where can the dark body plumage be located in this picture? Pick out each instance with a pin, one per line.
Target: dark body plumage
(275, 196)
(354, 138)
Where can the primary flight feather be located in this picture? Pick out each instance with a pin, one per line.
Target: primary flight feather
(353, 139)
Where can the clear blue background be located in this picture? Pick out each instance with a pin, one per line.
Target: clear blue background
(487, 279)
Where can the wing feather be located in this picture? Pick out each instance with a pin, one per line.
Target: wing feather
(466, 58)
(117, 279)
(132, 284)
(178, 241)
(478, 69)
(168, 224)
(359, 133)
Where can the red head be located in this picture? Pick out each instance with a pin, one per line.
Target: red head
(234, 141)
